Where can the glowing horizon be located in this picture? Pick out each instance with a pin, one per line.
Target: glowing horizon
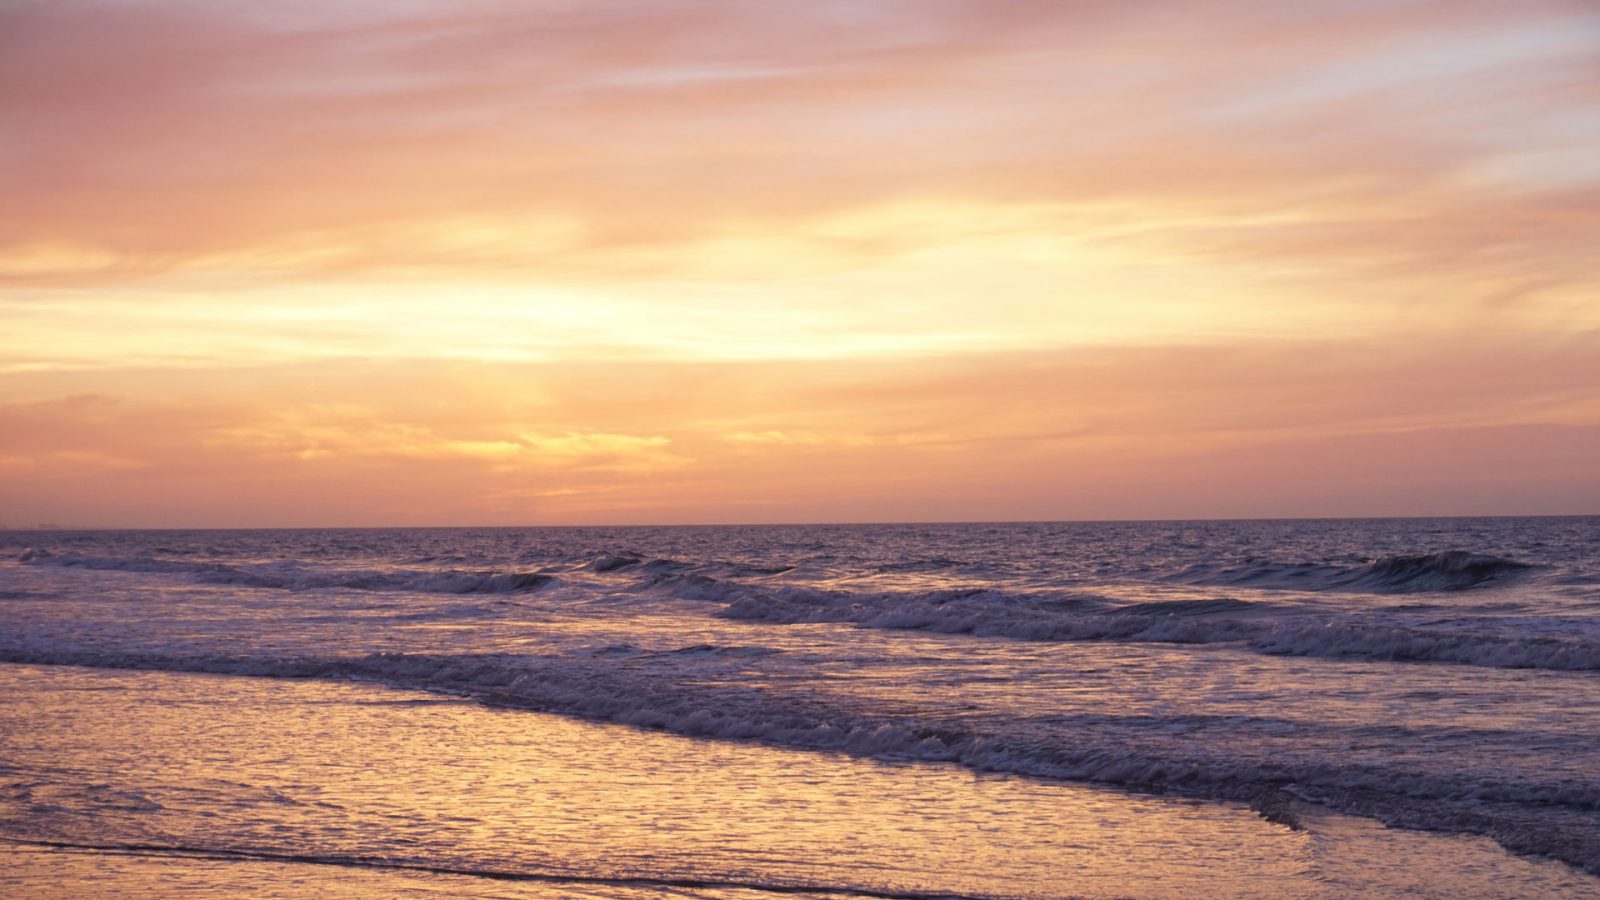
(572, 263)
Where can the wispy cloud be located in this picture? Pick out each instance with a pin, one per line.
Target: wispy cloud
(431, 261)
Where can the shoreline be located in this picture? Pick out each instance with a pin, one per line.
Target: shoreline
(1128, 841)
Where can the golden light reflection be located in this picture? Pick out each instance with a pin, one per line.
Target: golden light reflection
(340, 772)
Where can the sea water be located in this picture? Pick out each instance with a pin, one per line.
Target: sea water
(1095, 709)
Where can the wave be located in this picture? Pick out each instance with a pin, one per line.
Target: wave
(1253, 760)
(1381, 635)
(613, 562)
(1451, 570)
(661, 566)
(1258, 626)
(301, 577)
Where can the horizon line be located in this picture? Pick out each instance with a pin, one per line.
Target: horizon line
(5, 529)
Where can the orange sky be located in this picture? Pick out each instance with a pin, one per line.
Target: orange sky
(571, 262)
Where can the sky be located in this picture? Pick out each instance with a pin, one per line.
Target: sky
(523, 263)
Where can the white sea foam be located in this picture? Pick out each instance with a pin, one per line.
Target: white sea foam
(1531, 811)
(1242, 660)
(1259, 626)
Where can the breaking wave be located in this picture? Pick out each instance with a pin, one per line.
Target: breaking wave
(1452, 570)
(1386, 635)
(1530, 812)
(1262, 627)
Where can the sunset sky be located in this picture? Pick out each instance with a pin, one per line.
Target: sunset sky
(408, 263)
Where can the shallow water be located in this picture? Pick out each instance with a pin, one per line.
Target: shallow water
(1438, 674)
(391, 791)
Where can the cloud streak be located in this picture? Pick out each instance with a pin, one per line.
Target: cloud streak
(1165, 432)
(601, 261)
(665, 123)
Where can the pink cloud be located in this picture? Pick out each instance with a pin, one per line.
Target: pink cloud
(160, 131)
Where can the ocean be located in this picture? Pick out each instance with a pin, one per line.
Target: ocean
(1148, 709)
